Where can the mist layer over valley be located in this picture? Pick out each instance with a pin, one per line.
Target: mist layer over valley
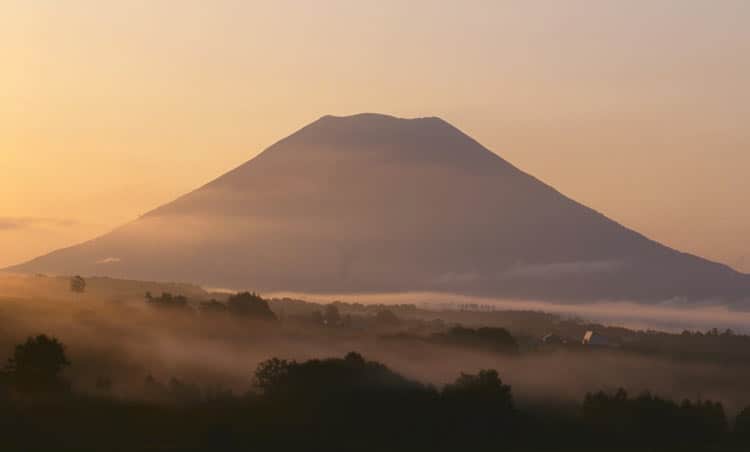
(111, 332)
(673, 316)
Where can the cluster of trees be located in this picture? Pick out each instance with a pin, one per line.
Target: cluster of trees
(386, 317)
(649, 419)
(361, 308)
(243, 304)
(527, 328)
(742, 425)
(346, 403)
(713, 345)
(167, 300)
(36, 366)
(490, 339)
(250, 304)
(77, 284)
(487, 338)
(329, 379)
(331, 316)
(711, 332)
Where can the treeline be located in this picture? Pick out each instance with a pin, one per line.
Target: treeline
(346, 403)
(250, 305)
(649, 419)
(243, 304)
(712, 345)
(489, 339)
(530, 327)
(526, 327)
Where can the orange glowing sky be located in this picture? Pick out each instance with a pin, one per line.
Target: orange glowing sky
(638, 109)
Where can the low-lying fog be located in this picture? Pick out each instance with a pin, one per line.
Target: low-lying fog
(669, 316)
(117, 335)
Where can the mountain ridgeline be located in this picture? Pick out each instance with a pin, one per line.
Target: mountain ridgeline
(373, 203)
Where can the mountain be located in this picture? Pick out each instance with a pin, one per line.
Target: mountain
(373, 203)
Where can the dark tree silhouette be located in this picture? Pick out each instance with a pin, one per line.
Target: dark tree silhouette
(328, 377)
(104, 384)
(246, 304)
(332, 317)
(486, 387)
(36, 364)
(272, 373)
(494, 339)
(350, 403)
(742, 424)
(167, 300)
(316, 317)
(77, 284)
(386, 317)
(648, 419)
(212, 307)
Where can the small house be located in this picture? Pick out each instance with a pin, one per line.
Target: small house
(596, 339)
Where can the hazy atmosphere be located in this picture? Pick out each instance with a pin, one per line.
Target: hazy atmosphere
(636, 109)
(370, 225)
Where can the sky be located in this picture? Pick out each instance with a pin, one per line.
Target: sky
(638, 109)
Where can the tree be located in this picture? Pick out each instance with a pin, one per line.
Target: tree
(212, 307)
(77, 284)
(246, 304)
(36, 365)
(648, 419)
(386, 317)
(486, 387)
(330, 378)
(104, 384)
(167, 300)
(272, 373)
(479, 403)
(742, 424)
(332, 317)
(490, 338)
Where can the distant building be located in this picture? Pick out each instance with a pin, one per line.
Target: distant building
(592, 338)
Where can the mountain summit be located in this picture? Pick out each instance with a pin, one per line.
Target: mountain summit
(373, 203)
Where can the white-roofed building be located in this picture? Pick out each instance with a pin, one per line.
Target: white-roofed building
(593, 338)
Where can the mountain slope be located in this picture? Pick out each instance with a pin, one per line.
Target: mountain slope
(376, 203)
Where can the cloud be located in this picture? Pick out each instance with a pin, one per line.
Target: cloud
(7, 224)
(18, 223)
(109, 260)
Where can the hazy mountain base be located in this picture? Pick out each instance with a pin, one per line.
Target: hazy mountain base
(127, 340)
(373, 203)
